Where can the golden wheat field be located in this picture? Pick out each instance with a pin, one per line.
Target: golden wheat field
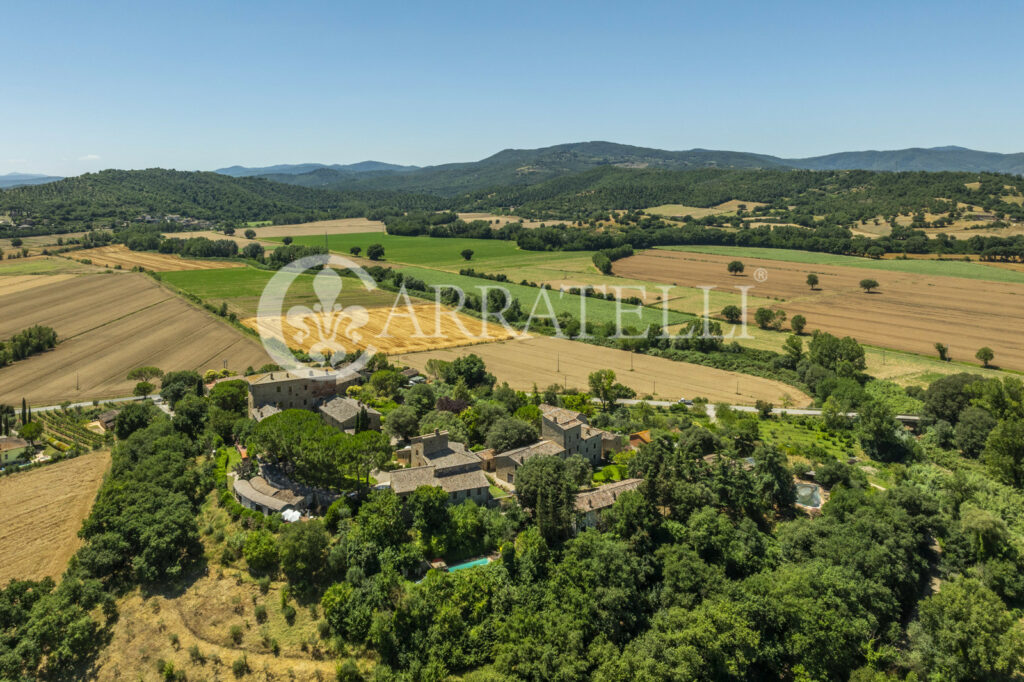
(387, 330)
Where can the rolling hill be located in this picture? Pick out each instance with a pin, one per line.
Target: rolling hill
(300, 168)
(22, 179)
(519, 167)
(124, 195)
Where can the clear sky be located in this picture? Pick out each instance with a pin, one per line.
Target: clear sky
(92, 85)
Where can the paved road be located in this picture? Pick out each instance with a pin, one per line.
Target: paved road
(796, 411)
(50, 408)
(127, 399)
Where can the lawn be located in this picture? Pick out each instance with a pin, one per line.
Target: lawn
(930, 268)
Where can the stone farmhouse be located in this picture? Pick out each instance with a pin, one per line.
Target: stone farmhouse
(563, 433)
(436, 461)
(13, 449)
(343, 413)
(316, 390)
(301, 390)
(590, 503)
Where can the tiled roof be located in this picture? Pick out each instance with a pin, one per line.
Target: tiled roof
(261, 413)
(287, 496)
(274, 377)
(343, 409)
(543, 448)
(12, 443)
(407, 480)
(562, 416)
(605, 496)
(262, 493)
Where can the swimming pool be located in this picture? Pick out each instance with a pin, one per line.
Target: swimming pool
(808, 494)
(482, 561)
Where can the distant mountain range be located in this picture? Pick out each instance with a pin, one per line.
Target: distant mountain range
(21, 179)
(301, 168)
(532, 166)
(527, 167)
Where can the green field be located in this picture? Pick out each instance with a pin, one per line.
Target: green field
(489, 255)
(42, 266)
(241, 288)
(930, 268)
(597, 310)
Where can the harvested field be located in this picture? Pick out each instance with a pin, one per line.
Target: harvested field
(43, 509)
(502, 220)
(910, 311)
(680, 210)
(546, 360)
(119, 254)
(340, 226)
(107, 325)
(385, 329)
(319, 227)
(16, 284)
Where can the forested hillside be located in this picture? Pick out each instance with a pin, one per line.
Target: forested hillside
(117, 196)
(843, 195)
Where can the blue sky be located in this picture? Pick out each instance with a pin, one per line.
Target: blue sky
(188, 85)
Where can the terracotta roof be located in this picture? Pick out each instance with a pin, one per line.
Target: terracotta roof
(642, 436)
(605, 496)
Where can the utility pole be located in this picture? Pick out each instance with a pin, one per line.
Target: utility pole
(630, 361)
(558, 361)
(76, 381)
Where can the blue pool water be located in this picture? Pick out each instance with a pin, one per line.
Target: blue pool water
(483, 561)
(808, 495)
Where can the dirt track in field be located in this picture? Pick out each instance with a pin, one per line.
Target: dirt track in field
(544, 360)
(119, 254)
(106, 326)
(43, 510)
(908, 312)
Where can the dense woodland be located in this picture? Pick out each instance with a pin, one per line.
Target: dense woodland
(826, 203)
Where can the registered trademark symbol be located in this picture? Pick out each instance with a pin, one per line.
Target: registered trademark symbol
(761, 275)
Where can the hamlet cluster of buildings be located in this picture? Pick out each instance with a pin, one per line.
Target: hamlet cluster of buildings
(428, 460)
